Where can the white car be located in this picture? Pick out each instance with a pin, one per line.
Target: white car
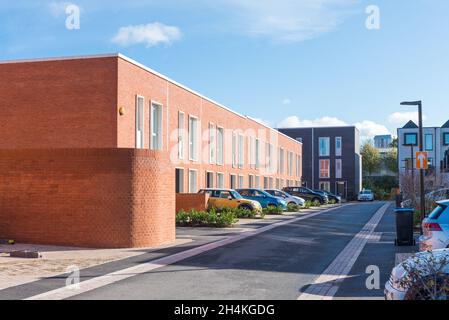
(436, 228)
(365, 195)
(429, 274)
(290, 199)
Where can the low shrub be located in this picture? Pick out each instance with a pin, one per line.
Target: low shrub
(240, 212)
(316, 203)
(307, 204)
(292, 207)
(213, 218)
(273, 210)
(332, 201)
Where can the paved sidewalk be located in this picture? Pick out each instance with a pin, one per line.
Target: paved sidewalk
(56, 259)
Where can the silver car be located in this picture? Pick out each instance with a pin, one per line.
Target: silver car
(436, 228)
(287, 197)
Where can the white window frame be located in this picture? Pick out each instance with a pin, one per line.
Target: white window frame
(234, 149)
(327, 141)
(140, 122)
(250, 181)
(257, 182)
(338, 172)
(338, 150)
(212, 143)
(213, 178)
(153, 106)
(241, 181)
(183, 178)
(196, 181)
(235, 181)
(257, 154)
(241, 154)
(220, 148)
(193, 147)
(222, 184)
(181, 134)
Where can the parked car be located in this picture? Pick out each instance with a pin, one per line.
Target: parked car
(229, 198)
(287, 197)
(414, 280)
(264, 198)
(365, 195)
(329, 195)
(436, 228)
(307, 194)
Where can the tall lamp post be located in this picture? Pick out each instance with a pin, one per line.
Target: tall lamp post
(421, 149)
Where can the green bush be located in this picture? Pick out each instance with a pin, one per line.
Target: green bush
(293, 207)
(194, 218)
(307, 204)
(316, 203)
(240, 212)
(332, 201)
(273, 210)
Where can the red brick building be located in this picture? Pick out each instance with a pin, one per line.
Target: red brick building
(94, 149)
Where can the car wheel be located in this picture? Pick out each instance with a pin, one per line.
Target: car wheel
(246, 207)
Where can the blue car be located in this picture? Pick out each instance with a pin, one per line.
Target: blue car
(264, 198)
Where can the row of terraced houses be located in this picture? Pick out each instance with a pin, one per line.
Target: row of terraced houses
(95, 149)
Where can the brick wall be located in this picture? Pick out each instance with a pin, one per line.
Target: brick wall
(87, 197)
(70, 103)
(188, 201)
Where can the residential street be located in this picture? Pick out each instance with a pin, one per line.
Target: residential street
(285, 262)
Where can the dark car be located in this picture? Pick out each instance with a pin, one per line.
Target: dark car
(307, 194)
(329, 195)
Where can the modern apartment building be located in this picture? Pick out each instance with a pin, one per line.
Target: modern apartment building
(95, 148)
(331, 158)
(383, 143)
(436, 144)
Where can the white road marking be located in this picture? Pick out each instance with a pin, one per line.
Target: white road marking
(98, 282)
(328, 283)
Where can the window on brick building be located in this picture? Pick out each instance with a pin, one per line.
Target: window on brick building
(212, 142)
(156, 127)
(220, 145)
(140, 118)
(193, 138)
(325, 168)
(220, 180)
(209, 179)
(193, 181)
(181, 132)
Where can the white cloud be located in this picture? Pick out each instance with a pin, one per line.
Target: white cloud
(369, 129)
(151, 34)
(294, 121)
(401, 118)
(286, 101)
(289, 20)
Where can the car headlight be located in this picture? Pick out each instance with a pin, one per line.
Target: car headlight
(256, 204)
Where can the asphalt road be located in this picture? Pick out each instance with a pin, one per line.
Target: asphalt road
(277, 264)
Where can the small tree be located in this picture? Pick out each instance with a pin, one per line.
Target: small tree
(391, 160)
(371, 159)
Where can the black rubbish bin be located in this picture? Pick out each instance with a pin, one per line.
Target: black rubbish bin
(404, 227)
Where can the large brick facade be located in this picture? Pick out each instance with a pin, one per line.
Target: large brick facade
(87, 197)
(54, 111)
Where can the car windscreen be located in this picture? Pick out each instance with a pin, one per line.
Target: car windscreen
(436, 213)
(236, 195)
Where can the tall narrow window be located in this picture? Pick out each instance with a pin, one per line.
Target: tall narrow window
(338, 146)
(220, 180)
(290, 163)
(241, 181)
(324, 169)
(232, 181)
(251, 181)
(193, 181)
(220, 145)
(209, 179)
(181, 131)
(140, 118)
(257, 182)
(241, 154)
(156, 127)
(338, 169)
(324, 144)
(179, 180)
(281, 161)
(212, 142)
(257, 154)
(234, 150)
(193, 138)
(429, 142)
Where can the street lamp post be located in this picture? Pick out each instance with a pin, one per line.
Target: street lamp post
(421, 149)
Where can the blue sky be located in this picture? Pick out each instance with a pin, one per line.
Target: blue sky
(286, 62)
